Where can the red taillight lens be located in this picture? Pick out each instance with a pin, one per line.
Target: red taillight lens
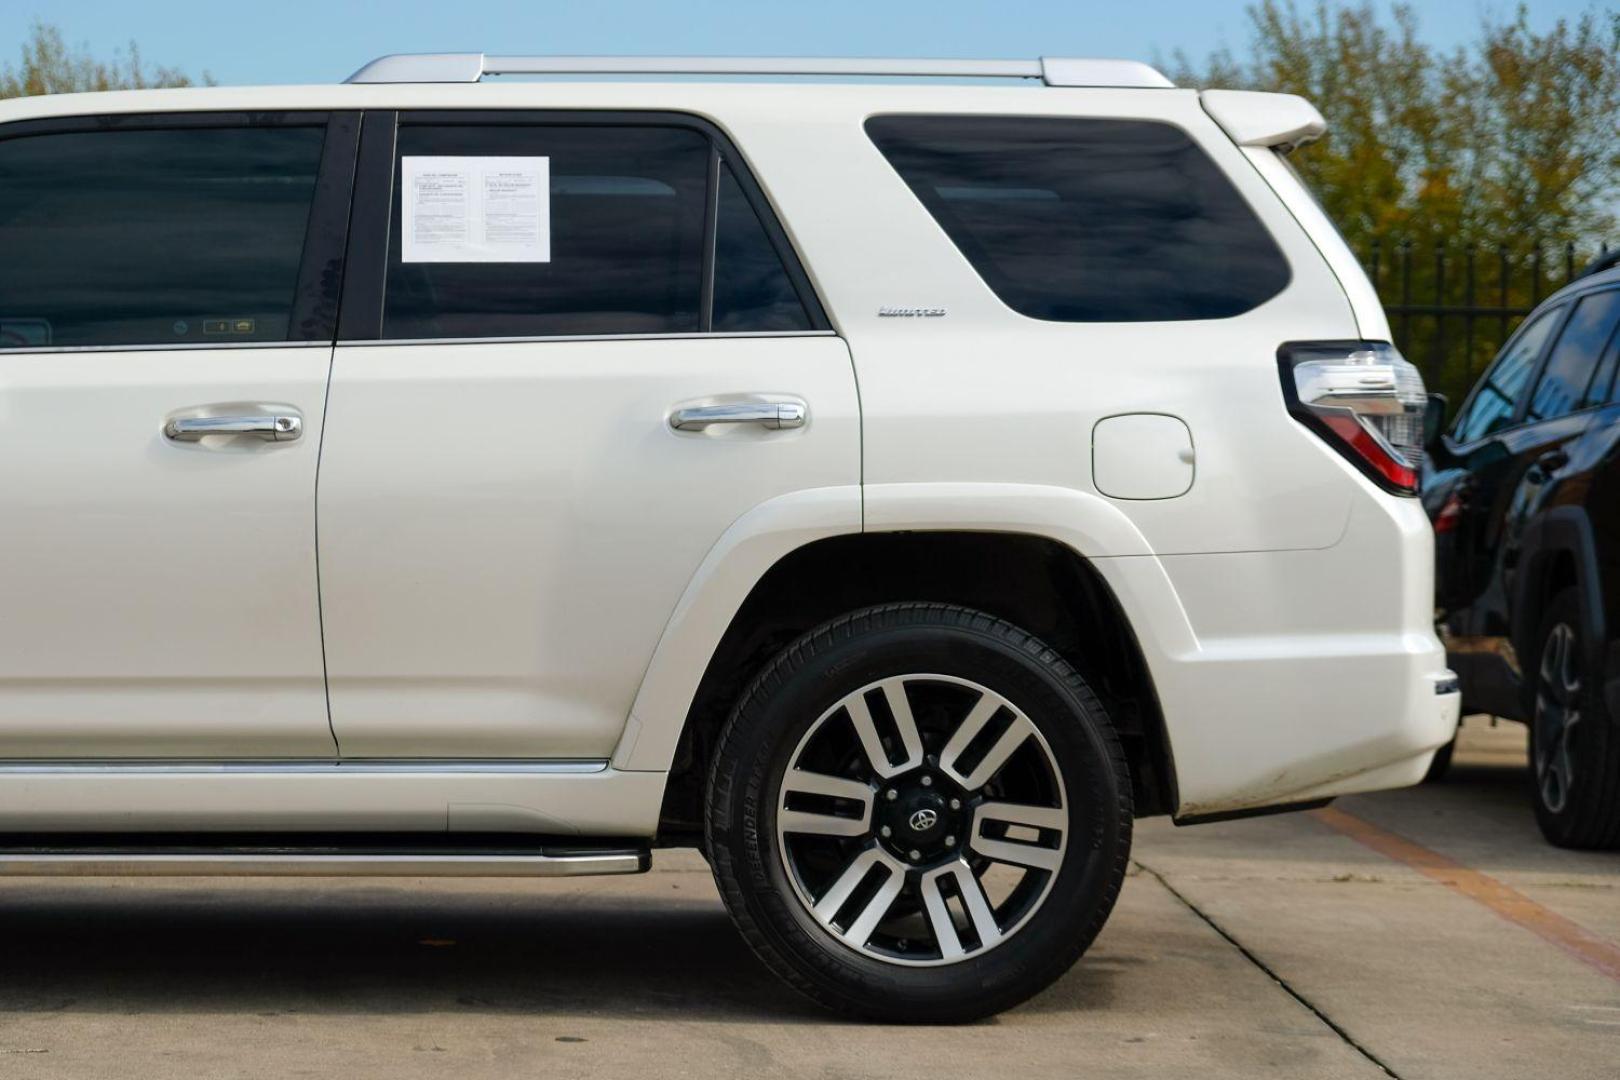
(1364, 400)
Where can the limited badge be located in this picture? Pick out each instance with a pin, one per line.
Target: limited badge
(889, 312)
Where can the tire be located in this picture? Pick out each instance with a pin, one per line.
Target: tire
(885, 926)
(1574, 743)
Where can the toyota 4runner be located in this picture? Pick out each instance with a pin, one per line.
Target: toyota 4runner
(891, 489)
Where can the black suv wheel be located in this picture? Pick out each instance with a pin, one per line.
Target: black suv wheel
(1574, 744)
(919, 813)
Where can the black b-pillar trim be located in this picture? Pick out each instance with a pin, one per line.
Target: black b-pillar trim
(320, 270)
(364, 274)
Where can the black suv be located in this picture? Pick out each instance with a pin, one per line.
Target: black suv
(1524, 493)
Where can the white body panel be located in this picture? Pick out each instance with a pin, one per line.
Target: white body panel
(1371, 322)
(496, 572)
(1310, 674)
(158, 598)
(519, 559)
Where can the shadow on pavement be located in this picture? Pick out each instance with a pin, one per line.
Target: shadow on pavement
(313, 947)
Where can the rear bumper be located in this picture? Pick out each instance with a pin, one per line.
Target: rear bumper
(1298, 675)
(1286, 722)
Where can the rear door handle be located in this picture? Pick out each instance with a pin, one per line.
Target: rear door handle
(770, 414)
(270, 428)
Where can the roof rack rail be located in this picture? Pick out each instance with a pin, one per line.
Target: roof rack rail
(471, 67)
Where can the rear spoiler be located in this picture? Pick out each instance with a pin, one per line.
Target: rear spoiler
(1252, 118)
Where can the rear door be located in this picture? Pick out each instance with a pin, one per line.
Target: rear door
(1514, 440)
(508, 510)
(167, 300)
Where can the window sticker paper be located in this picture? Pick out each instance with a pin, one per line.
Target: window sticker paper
(476, 209)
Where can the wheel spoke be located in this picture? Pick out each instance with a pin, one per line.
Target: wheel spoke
(939, 915)
(873, 913)
(1560, 666)
(894, 692)
(978, 908)
(965, 733)
(994, 758)
(838, 894)
(1018, 852)
(973, 899)
(798, 781)
(814, 783)
(1552, 781)
(1569, 671)
(1560, 767)
(1565, 766)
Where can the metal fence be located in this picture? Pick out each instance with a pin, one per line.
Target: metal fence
(1451, 306)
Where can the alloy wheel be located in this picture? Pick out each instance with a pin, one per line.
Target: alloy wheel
(1558, 710)
(922, 819)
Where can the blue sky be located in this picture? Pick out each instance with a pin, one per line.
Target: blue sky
(324, 40)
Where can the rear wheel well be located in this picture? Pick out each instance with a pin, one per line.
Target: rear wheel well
(1035, 583)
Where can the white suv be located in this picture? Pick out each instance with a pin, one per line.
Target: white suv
(890, 489)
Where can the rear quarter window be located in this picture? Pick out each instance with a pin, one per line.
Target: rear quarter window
(1088, 220)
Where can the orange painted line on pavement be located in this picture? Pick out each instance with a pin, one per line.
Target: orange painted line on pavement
(1510, 904)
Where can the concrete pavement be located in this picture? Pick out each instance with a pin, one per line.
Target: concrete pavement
(1273, 947)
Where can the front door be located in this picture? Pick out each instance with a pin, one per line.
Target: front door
(165, 341)
(1494, 448)
(590, 352)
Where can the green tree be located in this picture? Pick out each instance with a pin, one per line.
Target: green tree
(1516, 134)
(1505, 150)
(49, 66)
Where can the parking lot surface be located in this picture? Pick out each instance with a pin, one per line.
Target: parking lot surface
(1420, 933)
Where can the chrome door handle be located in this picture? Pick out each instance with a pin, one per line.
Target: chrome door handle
(771, 414)
(268, 428)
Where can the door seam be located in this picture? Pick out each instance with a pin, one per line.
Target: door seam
(315, 522)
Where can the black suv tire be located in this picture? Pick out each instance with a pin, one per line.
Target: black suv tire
(800, 694)
(1574, 742)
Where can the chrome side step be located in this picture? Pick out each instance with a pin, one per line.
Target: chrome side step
(291, 862)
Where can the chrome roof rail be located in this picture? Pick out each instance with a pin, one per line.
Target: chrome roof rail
(471, 67)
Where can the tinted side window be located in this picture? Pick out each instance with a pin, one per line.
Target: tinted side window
(1602, 342)
(626, 237)
(752, 290)
(1088, 220)
(1497, 397)
(1573, 361)
(154, 237)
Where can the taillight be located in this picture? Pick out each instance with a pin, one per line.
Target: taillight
(1365, 400)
